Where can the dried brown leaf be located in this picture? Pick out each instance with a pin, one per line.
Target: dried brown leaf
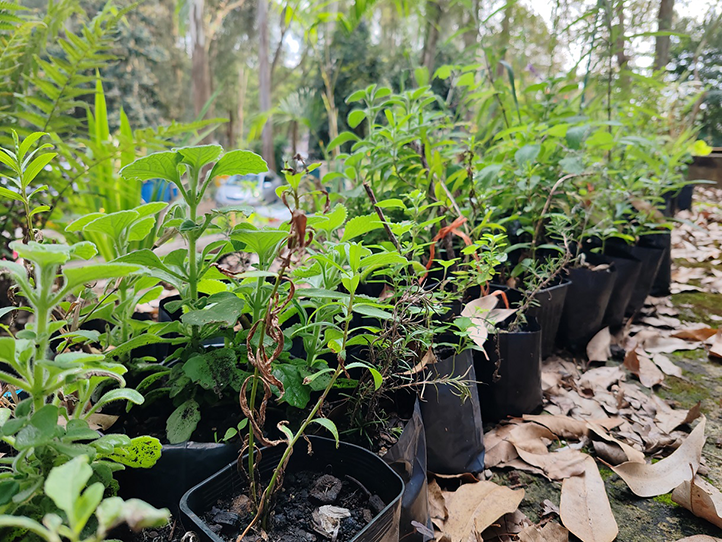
(599, 348)
(474, 507)
(700, 538)
(551, 532)
(558, 465)
(701, 498)
(561, 426)
(631, 454)
(585, 508)
(695, 334)
(668, 368)
(601, 378)
(437, 505)
(650, 480)
(643, 368)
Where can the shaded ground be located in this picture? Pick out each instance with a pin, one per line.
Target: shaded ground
(657, 519)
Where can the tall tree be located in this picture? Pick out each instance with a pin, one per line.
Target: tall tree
(200, 71)
(664, 24)
(434, 12)
(264, 84)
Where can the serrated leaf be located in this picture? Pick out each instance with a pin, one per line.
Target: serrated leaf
(361, 225)
(75, 276)
(239, 163)
(159, 165)
(527, 154)
(200, 155)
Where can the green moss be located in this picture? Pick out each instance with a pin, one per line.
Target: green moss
(665, 499)
(605, 472)
(698, 306)
(686, 392)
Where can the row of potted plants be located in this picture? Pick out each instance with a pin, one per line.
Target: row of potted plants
(429, 263)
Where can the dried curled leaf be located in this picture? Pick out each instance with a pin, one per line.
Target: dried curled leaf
(701, 498)
(585, 508)
(650, 480)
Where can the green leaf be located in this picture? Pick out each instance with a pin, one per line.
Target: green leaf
(335, 219)
(575, 136)
(5, 193)
(64, 484)
(112, 224)
(225, 310)
(296, 393)
(370, 310)
(183, 421)
(198, 156)
(141, 229)
(340, 139)
(527, 154)
(488, 175)
(142, 453)
(361, 225)
(356, 96)
(572, 164)
(239, 163)
(75, 276)
(375, 374)
(264, 242)
(356, 117)
(80, 223)
(328, 424)
(36, 166)
(159, 165)
(8, 489)
(135, 513)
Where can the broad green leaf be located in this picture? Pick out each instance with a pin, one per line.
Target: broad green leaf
(264, 242)
(575, 136)
(149, 209)
(112, 224)
(135, 513)
(225, 311)
(64, 484)
(335, 218)
(80, 223)
(239, 163)
(356, 117)
(572, 164)
(488, 175)
(361, 225)
(376, 375)
(43, 255)
(120, 394)
(141, 453)
(141, 229)
(296, 393)
(370, 310)
(527, 154)
(8, 489)
(36, 166)
(328, 424)
(159, 165)
(198, 156)
(75, 276)
(183, 421)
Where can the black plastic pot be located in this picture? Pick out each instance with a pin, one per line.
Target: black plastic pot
(180, 467)
(651, 259)
(408, 458)
(548, 313)
(628, 269)
(517, 389)
(454, 429)
(586, 304)
(684, 198)
(663, 279)
(347, 460)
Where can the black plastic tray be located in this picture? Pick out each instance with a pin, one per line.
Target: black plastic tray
(348, 459)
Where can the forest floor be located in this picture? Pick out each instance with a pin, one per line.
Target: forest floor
(662, 377)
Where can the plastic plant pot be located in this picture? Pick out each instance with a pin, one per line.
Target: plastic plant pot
(548, 313)
(651, 259)
(347, 460)
(586, 304)
(663, 279)
(517, 355)
(628, 269)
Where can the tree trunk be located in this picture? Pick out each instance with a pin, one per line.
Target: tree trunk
(264, 84)
(434, 12)
(622, 58)
(200, 71)
(664, 24)
(504, 37)
(472, 26)
(242, 85)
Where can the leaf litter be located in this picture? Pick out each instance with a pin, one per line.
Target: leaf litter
(609, 410)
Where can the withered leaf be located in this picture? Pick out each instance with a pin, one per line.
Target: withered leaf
(701, 498)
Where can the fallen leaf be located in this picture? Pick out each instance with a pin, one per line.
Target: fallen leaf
(643, 368)
(474, 507)
(667, 345)
(716, 348)
(609, 453)
(701, 498)
(531, 437)
(551, 532)
(601, 378)
(561, 426)
(437, 504)
(650, 480)
(549, 508)
(101, 421)
(695, 334)
(668, 368)
(599, 348)
(585, 508)
(668, 419)
(508, 526)
(700, 538)
(631, 454)
(518, 464)
(557, 465)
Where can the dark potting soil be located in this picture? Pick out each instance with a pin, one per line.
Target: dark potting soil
(170, 533)
(296, 514)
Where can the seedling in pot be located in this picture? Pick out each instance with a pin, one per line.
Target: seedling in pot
(65, 391)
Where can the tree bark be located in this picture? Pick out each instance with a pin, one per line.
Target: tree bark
(434, 12)
(264, 84)
(200, 71)
(504, 37)
(664, 24)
